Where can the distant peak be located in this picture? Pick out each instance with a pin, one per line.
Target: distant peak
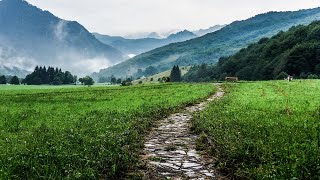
(154, 35)
(184, 32)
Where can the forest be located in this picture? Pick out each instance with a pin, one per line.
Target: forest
(295, 52)
(52, 76)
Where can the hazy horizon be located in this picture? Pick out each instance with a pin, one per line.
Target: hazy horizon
(124, 17)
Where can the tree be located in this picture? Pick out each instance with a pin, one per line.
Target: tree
(3, 79)
(87, 81)
(68, 78)
(57, 81)
(113, 80)
(15, 80)
(75, 78)
(313, 76)
(119, 81)
(165, 79)
(317, 70)
(42, 75)
(175, 75)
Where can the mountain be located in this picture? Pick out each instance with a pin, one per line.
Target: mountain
(138, 46)
(154, 35)
(209, 48)
(212, 29)
(295, 52)
(13, 71)
(181, 36)
(30, 36)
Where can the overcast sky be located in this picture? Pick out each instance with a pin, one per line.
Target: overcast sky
(123, 17)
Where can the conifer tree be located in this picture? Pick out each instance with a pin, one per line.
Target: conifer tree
(175, 75)
(15, 80)
(55, 76)
(3, 79)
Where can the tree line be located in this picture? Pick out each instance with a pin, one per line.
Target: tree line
(52, 76)
(9, 79)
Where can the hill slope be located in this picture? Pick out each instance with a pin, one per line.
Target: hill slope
(225, 42)
(212, 29)
(30, 36)
(138, 46)
(295, 52)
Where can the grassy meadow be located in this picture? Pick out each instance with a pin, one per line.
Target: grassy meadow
(85, 132)
(265, 130)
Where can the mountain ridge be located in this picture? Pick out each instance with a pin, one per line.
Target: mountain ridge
(138, 46)
(209, 48)
(294, 52)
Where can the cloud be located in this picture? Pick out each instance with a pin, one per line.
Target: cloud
(122, 17)
(60, 31)
(69, 61)
(9, 58)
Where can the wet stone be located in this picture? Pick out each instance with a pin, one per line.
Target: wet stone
(174, 147)
(190, 165)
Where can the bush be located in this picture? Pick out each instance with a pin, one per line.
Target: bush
(126, 83)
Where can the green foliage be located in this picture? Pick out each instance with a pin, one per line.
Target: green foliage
(52, 76)
(82, 133)
(15, 80)
(295, 52)
(175, 75)
(149, 71)
(127, 82)
(317, 70)
(165, 79)
(3, 79)
(201, 73)
(265, 130)
(87, 81)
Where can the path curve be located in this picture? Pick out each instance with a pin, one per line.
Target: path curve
(170, 148)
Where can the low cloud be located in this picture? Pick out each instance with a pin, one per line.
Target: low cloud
(60, 30)
(9, 58)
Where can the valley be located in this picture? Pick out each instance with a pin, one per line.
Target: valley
(159, 90)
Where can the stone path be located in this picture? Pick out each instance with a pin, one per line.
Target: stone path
(170, 149)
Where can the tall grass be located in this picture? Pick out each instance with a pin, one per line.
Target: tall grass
(265, 130)
(82, 133)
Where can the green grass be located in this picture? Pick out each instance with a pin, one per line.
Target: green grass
(265, 130)
(82, 133)
(33, 87)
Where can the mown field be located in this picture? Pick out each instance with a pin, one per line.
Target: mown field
(82, 133)
(265, 130)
